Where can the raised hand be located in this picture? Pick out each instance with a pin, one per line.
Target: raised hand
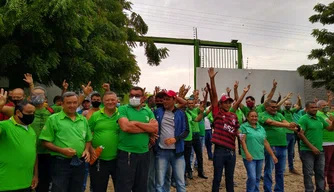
(3, 97)
(157, 89)
(87, 89)
(228, 90)
(28, 78)
(212, 73)
(289, 95)
(299, 97)
(236, 84)
(246, 89)
(106, 87)
(274, 83)
(65, 85)
(264, 92)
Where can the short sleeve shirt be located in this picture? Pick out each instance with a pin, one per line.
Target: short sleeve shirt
(313, 127)
(64, 132)
(18, 155)
(254, 140)
(105, 133)
(134, 142)
(276, 136)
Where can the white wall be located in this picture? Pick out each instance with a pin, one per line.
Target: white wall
(288, 81)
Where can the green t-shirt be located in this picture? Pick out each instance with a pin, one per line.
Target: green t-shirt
(201, 126)
(17, 156)
(190, 135)
(259, 109)
(276, 136)
(134, 142)
(254, 140)
(194, 125)
(288, 115)
(105, 133)
(63, 132)
(328, 136)
(313, 131)
(239, 113)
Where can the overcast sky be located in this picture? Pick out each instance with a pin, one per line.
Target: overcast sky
(275, 34)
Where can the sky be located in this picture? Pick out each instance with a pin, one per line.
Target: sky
(274, 34)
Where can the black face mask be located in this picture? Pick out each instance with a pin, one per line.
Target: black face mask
(158, 105)
(16, 102)
(27, 119)
(96, 104)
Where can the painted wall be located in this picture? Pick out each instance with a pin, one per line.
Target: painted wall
(288, 81)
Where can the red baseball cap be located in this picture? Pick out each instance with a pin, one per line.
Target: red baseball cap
(225, 98)
(170, 93)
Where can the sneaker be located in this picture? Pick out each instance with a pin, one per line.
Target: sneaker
(294, 171)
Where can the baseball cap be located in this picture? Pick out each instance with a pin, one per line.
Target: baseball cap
(225, 98)
(170, 93)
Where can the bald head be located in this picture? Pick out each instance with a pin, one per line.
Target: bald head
(321, 104)
(18, 94)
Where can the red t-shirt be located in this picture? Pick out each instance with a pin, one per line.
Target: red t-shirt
(3, 116)
(225, 126)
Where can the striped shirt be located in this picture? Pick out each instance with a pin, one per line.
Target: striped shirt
(225, 126)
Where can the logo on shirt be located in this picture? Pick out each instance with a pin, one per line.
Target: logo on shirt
(228, 128)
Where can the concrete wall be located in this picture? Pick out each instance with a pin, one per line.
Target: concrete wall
(311, 93)
(288, 81)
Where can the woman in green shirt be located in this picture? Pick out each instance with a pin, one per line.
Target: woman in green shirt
(252, 134)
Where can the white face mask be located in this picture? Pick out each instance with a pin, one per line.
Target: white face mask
(134, 101)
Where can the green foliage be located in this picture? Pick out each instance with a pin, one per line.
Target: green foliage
(78, 41)
(321, 73)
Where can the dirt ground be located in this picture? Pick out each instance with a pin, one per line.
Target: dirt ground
(293, 183)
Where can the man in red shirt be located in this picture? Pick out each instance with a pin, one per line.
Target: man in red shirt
(225, 126)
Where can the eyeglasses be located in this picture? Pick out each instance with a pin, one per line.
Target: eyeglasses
(135, 95)
(274, 107)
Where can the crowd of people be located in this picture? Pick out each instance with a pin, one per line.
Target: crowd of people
(157, 141)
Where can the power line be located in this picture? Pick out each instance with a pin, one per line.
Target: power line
(236, 26)
(261, 46)
(222, 29)
(221, 15)
(295, 30)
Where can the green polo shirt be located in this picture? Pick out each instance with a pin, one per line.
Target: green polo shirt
(17, 156)
(105, 133)
(63, 132)
(276, 136)
(190, 135)
(328, 136)
(288, 115)
(193, 124)
(254, 140)
(134, 142)
(259, 109)
(313, 131)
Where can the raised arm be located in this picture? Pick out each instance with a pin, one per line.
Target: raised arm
(65, 87)
(299, 102)
(263, 95)
(236, 104)
(287, 97)
(28, 79)
(235, 87)
(214, 97)
(272, 92)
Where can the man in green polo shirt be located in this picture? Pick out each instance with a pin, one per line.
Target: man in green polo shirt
(275, 125)
(67, 135)
(311, 149)
(18, 166)
(104, 126)
(137, 125)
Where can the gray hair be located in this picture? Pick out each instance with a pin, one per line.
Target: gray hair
(320, 102)
(41, 88)
(68, 94)
(110, 93)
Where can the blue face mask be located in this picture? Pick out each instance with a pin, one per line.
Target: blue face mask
(37, 99)
(118, 104)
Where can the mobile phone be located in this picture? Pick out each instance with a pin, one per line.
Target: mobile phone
(298, 126)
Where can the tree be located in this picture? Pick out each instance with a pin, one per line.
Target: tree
(78, 41)
(321, 73)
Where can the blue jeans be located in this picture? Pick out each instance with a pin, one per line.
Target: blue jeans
(290, 138)
(223, 158)
(164, 159)
(313, 165)
(254, 170)
(280, 153)
(208, 144)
